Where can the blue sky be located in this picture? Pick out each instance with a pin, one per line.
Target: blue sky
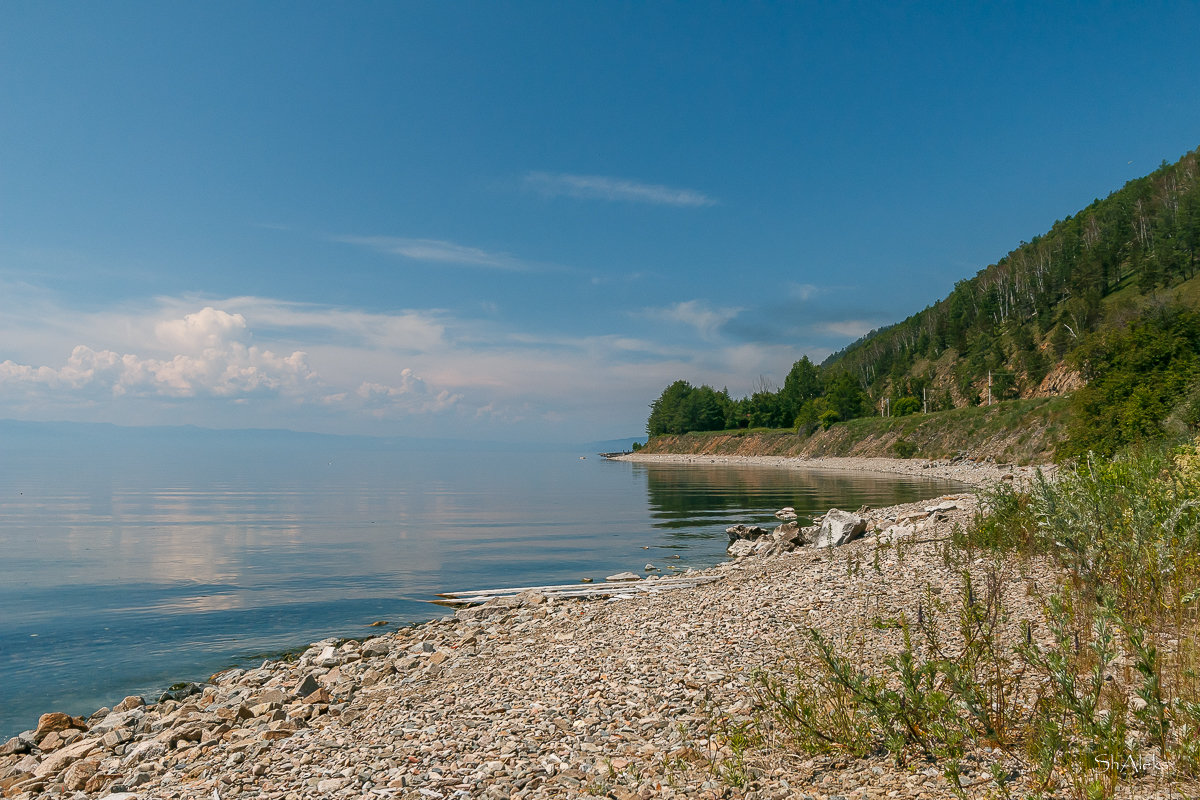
(523, 220)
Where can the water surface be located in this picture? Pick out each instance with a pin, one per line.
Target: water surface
(130, 561)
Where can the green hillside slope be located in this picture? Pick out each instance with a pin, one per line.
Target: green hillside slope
(1019, 320)
(1103, 308)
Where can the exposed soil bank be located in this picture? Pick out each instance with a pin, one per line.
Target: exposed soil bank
(1019, 432)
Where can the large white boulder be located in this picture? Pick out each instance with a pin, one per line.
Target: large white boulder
(839, 527)
(741, 548)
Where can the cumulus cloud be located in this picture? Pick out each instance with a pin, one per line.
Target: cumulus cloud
(600, 187)
(210, 360)
(252, 361)
(207, 329)
(409, 395)
(435, 251)
(208, 354)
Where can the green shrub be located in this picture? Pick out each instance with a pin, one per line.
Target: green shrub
(904, 448)
(1115, 683)
(906, 405)
(928, 701)
(1136, 377)
(1128, 531)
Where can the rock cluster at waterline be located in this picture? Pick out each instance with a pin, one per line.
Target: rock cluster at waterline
(523, 698)
(532, 697)
(833, 529)
(755, 541)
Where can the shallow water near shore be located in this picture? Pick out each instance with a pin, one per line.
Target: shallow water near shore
(128, 563)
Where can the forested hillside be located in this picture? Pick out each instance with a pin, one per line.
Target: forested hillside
(1020, 317)
(1106, 299)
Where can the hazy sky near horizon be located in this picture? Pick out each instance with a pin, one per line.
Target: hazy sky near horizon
(523, 220)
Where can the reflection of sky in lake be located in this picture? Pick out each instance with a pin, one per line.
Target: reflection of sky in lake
(126, 568)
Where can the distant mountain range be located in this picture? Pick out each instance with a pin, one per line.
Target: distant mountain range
(20, 434)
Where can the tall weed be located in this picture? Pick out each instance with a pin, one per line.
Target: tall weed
(1110, 687)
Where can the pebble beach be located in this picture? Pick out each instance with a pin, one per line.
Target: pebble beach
(534, 697)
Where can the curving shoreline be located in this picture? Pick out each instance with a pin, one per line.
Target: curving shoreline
(527, 697)
(973, 473)
(536, 698)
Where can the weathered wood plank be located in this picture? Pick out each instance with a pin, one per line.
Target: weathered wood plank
(665, 581)
(577, 590)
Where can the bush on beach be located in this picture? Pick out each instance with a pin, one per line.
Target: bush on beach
(1104, 688)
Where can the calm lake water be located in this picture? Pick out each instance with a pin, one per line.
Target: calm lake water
(130, 561)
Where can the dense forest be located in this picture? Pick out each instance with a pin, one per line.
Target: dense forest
(1104, 300)
(810, 396)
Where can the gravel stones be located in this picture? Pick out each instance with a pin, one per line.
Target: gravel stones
(633, 698)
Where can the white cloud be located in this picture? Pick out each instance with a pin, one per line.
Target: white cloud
(208, 355)
(804, 291)
(435, 251)
(850, 328)
(206, 329)
(208, 360)
(406, 330)
(254, 361)
(410, 395)
(600, 187)
(697, 313)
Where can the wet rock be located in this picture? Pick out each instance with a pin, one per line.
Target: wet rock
(741, 548)
(623, 576)
(181, 691)
(750, 532)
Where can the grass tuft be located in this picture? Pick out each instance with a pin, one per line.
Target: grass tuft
(1102, 690)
